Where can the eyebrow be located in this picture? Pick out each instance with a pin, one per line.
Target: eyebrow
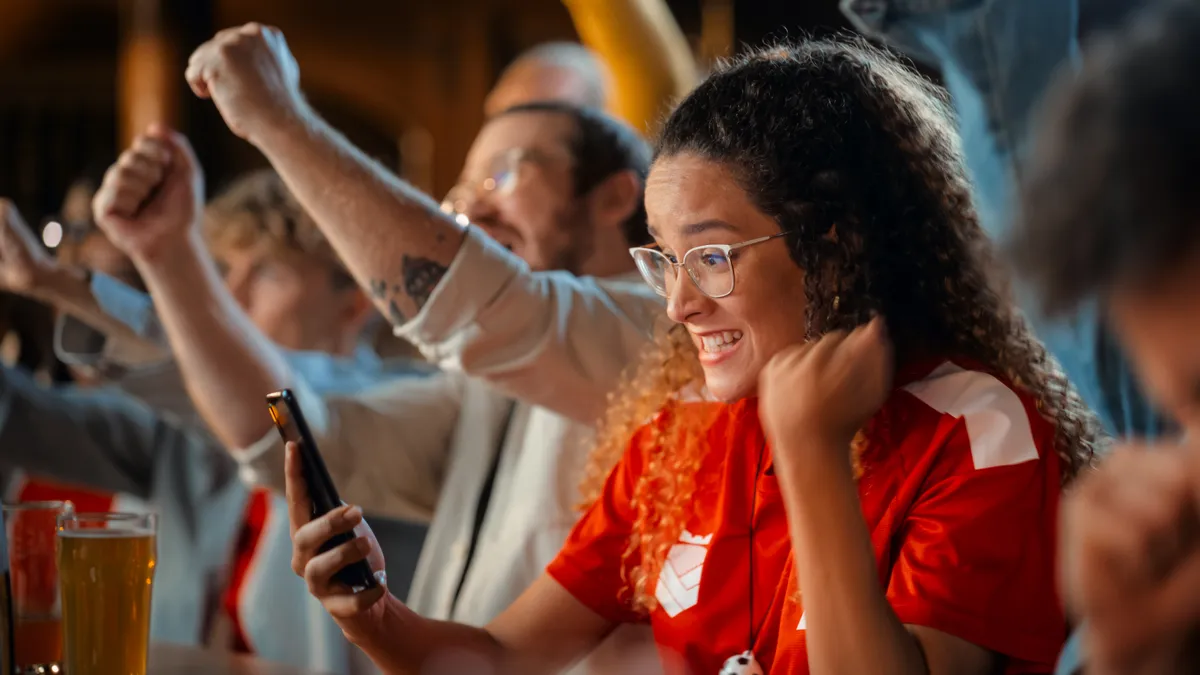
(692, 229)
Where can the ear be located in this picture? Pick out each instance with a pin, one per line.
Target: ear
(615, 199)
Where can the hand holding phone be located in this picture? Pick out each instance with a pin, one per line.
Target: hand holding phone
(286, 415)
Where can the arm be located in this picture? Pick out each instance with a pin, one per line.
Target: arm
(650, 59)
(844, 604)
(101, 438)
(545, 630)
(149, 206)
(496, 319)
(26, 269)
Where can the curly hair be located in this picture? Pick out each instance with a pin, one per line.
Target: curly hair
(258, 208)
(855, 156)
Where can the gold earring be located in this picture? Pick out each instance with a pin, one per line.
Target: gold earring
(836, 302)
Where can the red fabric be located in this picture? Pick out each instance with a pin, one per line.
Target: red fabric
(963, 550)
(254, 522)
(84, 500)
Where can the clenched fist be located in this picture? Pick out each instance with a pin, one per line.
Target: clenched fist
(153, 197)
(252, 78)
(818, 395)
(1130, 560)
(24, 264)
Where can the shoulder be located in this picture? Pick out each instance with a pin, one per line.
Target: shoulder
(957, 401)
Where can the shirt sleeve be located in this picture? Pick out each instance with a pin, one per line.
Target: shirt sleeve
(548, 338)
(385, 448)
(79, 344)
(643, 46)
(589, 565)
(976, 548)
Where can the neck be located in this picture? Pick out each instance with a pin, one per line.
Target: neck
(610, 256)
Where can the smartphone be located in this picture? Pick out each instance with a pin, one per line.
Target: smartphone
(286, 415)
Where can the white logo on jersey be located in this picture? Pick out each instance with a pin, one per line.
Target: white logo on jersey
(803, 625)
(679, 582)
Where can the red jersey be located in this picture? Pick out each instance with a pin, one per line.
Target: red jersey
(961, 503)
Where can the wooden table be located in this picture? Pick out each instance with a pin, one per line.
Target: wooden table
(177, 660)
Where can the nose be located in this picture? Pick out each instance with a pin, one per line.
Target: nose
(684, 301)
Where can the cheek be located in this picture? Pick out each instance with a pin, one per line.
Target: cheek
(1164, 356)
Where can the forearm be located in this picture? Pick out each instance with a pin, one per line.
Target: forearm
(68, 290)
(403, 642)
(650, 59)
(228, 366)
(844, 606)
(393, 238)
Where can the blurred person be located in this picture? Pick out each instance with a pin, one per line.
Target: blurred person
(634, 62)
(221, 543)
(559, 185)
(799, 199)
(1108, 216)
(1026, 43)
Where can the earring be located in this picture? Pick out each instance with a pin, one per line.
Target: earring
(836, 301)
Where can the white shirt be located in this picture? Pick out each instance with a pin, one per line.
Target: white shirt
(423, 448)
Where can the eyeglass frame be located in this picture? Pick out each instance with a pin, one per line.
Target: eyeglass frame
(515, 156)
(725, 249)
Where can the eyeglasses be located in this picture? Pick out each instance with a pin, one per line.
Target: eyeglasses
(710, 267)
(502, 178)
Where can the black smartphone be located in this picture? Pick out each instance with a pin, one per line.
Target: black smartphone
(286, 415)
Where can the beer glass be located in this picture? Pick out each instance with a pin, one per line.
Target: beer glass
(106, 571)
(33, 576)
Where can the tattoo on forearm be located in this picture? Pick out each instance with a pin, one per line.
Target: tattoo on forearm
(421, 276)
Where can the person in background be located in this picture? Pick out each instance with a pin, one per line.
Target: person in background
(799, 199)
(1109, 216)
(634, 62)
(221, 543)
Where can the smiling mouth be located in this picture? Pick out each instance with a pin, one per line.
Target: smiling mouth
(715, 343)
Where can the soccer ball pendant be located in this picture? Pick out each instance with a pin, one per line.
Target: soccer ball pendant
(742, 664)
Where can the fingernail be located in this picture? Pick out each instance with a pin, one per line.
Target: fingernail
(362, 544)
(381, 578)
(352, 514)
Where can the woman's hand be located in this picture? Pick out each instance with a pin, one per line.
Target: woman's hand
(355, 613)
(814, 397)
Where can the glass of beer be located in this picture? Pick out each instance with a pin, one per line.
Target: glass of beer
(33, 576)
(106, 569)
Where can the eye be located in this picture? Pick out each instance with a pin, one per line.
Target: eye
(713, 259)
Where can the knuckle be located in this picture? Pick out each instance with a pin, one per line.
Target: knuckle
(298, 564)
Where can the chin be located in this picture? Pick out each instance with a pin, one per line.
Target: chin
(728, 389)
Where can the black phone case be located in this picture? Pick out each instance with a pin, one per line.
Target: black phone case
(322, 493)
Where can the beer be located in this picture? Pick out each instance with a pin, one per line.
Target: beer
(106, 575)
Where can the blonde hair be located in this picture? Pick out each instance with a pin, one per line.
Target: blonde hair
(259, 210)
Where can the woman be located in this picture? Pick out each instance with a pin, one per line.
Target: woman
(894, 511)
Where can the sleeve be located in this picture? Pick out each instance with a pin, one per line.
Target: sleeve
(639, 40)
(589, 566)
(548, 338)
(100, 438)
(385, 448)
(975, 555)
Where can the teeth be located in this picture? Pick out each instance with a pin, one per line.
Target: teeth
(719, 342)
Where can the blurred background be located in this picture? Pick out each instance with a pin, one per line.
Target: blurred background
(405, 80)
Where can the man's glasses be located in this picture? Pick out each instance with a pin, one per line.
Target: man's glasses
(502, 178)
(710, 267)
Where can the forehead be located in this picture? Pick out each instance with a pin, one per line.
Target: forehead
(684, 190)
(544, 131)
